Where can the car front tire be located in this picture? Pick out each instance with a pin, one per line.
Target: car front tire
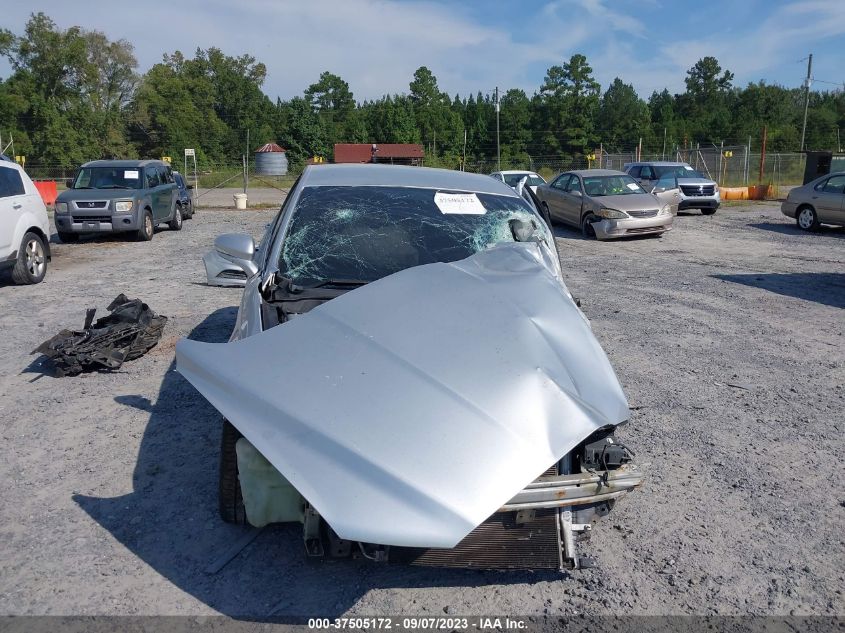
(67, 238)
(587, 229)
(231, 501)
(31, 265)
(807, 219)
(708, 211)
(145, 233)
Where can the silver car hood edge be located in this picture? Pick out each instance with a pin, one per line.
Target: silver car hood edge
(411, 409)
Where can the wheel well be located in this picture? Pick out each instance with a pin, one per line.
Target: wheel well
(801, 207)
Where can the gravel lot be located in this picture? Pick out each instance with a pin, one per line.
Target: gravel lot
(727, 335)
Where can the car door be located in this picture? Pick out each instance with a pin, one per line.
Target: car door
(828, 198)
(151, 183)
(553, 196)
(573, 201)
(12, 202)
(169, 190)
(666, 190)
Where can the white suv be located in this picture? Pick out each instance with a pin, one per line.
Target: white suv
(24, 226)
(695, 190)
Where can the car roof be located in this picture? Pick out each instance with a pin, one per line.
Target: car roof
(665, 163)
(596, 172)
(509, 172)
(823, 176)
(123, 163)
(369, 174)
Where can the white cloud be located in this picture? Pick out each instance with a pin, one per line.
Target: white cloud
(376, 45)
(787, 33)
(601, 16)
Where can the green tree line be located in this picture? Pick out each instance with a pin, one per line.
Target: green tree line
(75, 95)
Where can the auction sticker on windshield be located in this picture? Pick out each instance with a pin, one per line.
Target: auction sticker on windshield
(459, 203)
(130, 174)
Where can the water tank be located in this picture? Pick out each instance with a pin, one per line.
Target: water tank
(271, 160)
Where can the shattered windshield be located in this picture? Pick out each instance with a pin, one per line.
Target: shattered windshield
(365, 233)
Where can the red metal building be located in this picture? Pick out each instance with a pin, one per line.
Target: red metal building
(392, 153)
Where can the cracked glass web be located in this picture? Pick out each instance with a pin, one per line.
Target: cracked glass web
(365, 233)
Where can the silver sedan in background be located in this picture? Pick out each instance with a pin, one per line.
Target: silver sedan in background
(821, 201)
(607, 204)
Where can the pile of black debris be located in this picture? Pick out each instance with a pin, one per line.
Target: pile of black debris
(130, 331)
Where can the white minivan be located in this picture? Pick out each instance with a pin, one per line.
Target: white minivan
(24, 226)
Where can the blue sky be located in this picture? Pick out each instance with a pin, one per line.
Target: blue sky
(376, 45)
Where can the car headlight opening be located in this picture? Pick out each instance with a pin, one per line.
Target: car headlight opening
(123, 206)
(61, 207)
(611, 214)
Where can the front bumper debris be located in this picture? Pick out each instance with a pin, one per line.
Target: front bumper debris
(574, 490)
(130, 331)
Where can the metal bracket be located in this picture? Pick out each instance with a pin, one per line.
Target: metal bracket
(338, 547)
(568, 535)
(525, 516)
(311, 532)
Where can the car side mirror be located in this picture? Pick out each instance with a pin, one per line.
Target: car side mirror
(69, 183)
(190, 186)
(576, 192)
(239, 249)
(658, 190)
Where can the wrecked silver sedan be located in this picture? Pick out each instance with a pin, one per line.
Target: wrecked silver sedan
(410, 379)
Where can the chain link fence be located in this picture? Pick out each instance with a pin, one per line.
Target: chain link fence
(730, 166)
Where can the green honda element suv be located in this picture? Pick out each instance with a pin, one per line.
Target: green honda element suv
(111, 196)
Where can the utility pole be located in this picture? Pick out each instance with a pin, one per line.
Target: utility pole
(747, 161)
(246, 163)
(721, 155)
(763, 154)
(464, 155)
(498, 147)
(807, 83)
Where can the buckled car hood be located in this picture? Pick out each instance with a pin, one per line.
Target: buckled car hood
(411, 409)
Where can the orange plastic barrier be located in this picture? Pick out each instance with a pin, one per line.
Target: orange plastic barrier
(760, 192)
(752, 192)
(47, 189)
(733, 193)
